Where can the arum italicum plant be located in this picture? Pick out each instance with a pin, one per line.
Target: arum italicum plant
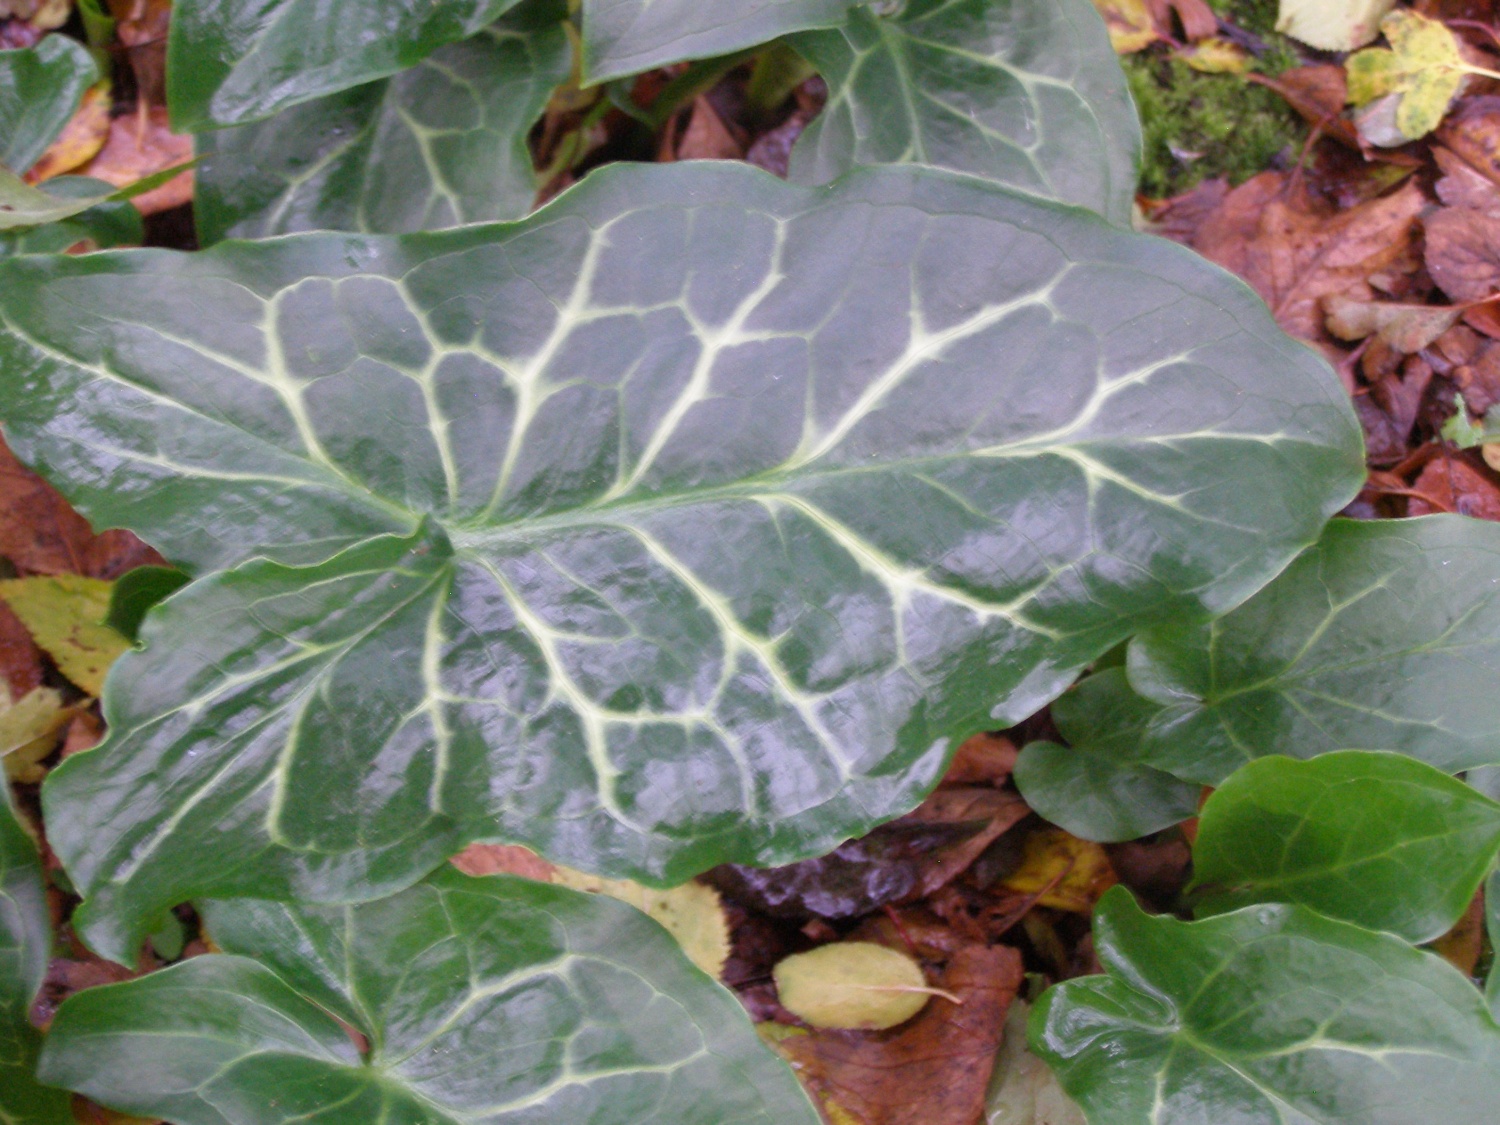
(694, 518)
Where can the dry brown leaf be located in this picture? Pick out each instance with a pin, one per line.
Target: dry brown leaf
(1295, 257)
(140, 145)
(41, 534)
(1317, 92)
(1407, 328)
(1131, 23)
(1197, 18)
(933, 1070)
(984, 759)
(503, 859)
(81, 139)
(141, 26)
(1463, 252)
(20, 659)
(1456, 486)
(1462, 945)
(707, 137)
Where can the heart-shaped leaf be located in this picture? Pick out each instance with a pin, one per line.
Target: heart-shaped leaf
(25, 945)
(493, 1000)
(235, 61)
(1385, 636)
(1025, 93)
(440, 144)
(723, 508)
(623, 37)
(1380, 840)
(1269, 1015)
(1096, 787)
(40, 88)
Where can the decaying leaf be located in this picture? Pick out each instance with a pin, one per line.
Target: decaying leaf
(692, 913)
(1066, 873)
(1455, 486)
(65, 614)
(1332, 25)
(46, 15)
(1421, 71)
(1216, 56)
(852, 985)
(138, 147)
(1407, 328)
(81, 139)
(1131, 27)
(1463, 252)
(1024, 1091)
(29, 730)
(931, 1071)
(1295, 255)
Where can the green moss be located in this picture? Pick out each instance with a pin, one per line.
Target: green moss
(1258, 16)
(1235, 127)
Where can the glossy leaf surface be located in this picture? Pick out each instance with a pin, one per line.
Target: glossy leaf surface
(40, 87)
(632, 452)
(1385, 636)
(1379, 840)
(1028, 94)
(622, 37)
(1272, 1015)
(25, 944)
(1097, 788)
(494, 1000)
(102, 225)
(235, 61)
(438, 145)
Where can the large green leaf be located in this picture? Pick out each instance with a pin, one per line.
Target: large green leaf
(1025, 93)
(688, 521)
(1272, 1015)
(1096, 787)
(494, 1000)
(40, 88)
(440, 144)
(1376, 839)
(1385, 636)
(234, 61)
(622, 37)
(25, 944)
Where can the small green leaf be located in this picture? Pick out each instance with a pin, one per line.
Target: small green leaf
(135, 592)
(438, 145)
(230, 62)
(1423, 68)
(1027, 94)
(22, 205)
(1266, 1016)
(40, 89)
(481, 1000)
(851, 984)
(1097, 788)
(534, 529)
(1379, 840)
(1384, 636)
(623, 37)
(25, 946)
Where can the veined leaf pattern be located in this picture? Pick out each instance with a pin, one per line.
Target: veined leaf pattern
(691, 519)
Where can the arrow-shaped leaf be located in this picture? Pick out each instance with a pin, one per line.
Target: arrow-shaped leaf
(690, 520)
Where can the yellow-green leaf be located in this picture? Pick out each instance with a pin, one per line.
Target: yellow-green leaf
(1423, 65)
(692, 913)
(65, 615)
(29, 730)
(856, 985)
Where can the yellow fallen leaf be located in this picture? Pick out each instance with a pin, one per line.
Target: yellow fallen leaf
(854, 985)
(64, 615)
(30, 728)
(1332, 25)
(1423, 67)
(81, 139)
(692, 913)
(1068, 873)
(1215, 56)
(1131, 27)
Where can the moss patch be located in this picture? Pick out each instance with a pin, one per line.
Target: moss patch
(1197, 126)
